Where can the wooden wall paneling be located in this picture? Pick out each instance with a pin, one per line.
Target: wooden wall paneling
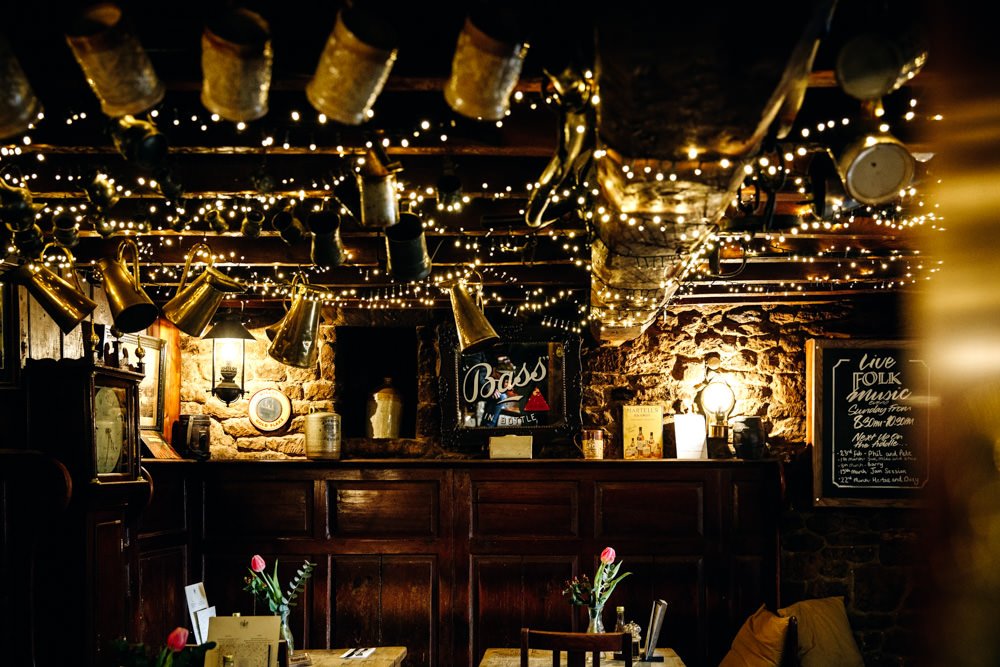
(165, 544)
(162, 603)
(110, 591)
(381, 509)
(262, 508)
(520, 509)
(662, 510)
(513, 591)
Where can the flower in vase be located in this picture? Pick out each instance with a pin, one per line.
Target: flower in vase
(594, 594)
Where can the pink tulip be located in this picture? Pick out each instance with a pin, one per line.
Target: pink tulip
(608, 555)
(257, 563)
(178, 639)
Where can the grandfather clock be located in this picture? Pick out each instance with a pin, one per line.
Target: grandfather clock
(87, 416)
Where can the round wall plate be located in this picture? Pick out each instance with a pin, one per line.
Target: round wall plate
(269, 410)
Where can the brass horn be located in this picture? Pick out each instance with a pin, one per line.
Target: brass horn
(474, 330)
(65, 303)
(131, 308)
(296, 342)
(193, 307)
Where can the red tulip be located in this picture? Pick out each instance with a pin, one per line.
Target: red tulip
(608, 555)
(257, 563)
(177, 639)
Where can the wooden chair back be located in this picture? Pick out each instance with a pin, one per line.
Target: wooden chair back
(576, 645)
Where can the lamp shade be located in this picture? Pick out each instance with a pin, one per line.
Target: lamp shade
(717, 399)
(229, 326)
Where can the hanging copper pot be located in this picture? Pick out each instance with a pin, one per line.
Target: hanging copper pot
(64, 302)
(114, 62)
(327, 249)
(194, 306)
(131, 308)
(875, 167)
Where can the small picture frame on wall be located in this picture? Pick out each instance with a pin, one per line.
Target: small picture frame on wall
(642, 431)
(151, 387)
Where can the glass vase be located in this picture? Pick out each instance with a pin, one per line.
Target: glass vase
(286, 632)
(596, 623)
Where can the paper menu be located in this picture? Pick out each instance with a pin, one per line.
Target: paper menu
(197, 601)
(251, 640)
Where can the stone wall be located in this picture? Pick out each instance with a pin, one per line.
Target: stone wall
(234, 437)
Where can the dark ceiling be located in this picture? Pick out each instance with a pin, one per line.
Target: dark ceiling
(218, 163)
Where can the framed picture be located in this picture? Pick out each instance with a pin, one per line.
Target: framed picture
(151, 387)
(526, 384)
(642, 431)
(9, 361)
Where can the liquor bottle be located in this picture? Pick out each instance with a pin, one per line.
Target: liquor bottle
(620, 621)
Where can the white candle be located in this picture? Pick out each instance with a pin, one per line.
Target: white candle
(689, 432)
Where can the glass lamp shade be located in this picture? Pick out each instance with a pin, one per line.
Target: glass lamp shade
(229, 355)
(717, 401)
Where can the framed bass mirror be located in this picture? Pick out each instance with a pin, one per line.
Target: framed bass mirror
(526, 384)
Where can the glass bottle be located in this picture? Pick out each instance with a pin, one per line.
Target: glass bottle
(385, 411)
(620, 621)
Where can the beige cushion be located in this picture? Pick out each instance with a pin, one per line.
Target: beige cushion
(759, 642)
(825, 637)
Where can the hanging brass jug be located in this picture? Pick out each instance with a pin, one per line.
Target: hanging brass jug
(194, 306)
(131, 309)
(296, 342)
(474, 330)
(64, 302)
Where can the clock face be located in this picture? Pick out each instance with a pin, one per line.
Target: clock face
(109, 428)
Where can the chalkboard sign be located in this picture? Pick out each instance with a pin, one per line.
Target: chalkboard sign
(868, 422)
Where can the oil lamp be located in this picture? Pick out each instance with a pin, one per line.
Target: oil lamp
(229, 338)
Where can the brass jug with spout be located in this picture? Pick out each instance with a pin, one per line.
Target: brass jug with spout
(194, 305)
(474, 330)
(296, 343)
(64, 302)
(131, 308)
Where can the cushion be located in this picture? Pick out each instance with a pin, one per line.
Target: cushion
(759, 642)
(825, 637)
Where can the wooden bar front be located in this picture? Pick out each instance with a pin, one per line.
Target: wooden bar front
(449, 558)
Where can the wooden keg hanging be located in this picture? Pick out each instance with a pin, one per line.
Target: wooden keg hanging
(355, 64)
(236, 60)
(114, 62)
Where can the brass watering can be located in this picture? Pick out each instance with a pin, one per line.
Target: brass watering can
(296, 343)
(64, 302)
(193, 306)
(474, 330)
(131, 308)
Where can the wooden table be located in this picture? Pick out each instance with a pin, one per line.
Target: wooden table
(384, 656)
(511, 657)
